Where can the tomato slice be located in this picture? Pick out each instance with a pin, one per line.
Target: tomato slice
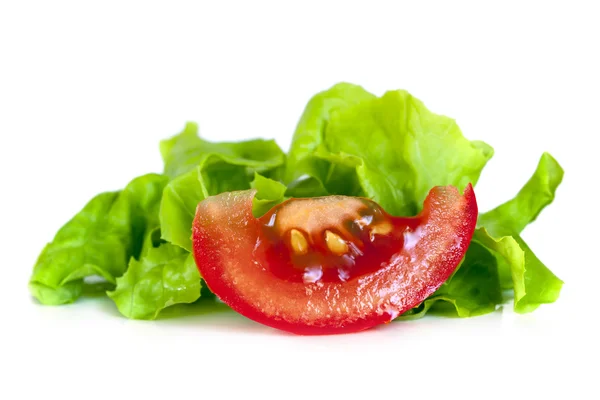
(332, 264)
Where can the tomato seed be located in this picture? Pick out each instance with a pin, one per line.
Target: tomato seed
(298, 242)
(335, 243)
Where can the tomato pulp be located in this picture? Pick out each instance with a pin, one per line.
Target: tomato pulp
(331, 264)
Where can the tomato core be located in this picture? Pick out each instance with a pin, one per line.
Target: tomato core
(360, 238)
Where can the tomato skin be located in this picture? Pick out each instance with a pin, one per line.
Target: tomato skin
(228, 246)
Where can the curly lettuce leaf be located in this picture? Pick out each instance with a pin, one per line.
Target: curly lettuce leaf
(519, 268)
(391, 149)
(214, 173)
(305, 173)
(269, 193)
(99, 240)
(183, 152)
(540, 190)
(533, 284)
(165, 275)
(80, 248)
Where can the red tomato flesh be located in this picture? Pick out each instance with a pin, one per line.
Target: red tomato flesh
(332, 264)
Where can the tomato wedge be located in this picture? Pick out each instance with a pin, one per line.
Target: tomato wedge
(332, 264)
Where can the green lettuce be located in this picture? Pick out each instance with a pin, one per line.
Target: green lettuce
(391, 149)
(519, 268)
(98, 241)
(165, 275)
(539, 191)
(305, 173)
(269, 193)
(185, 151)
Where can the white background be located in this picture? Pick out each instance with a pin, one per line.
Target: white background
(87, 91)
